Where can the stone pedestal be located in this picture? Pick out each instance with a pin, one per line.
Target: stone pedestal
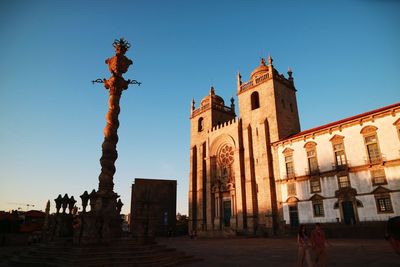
(103, 223)
(63, 225)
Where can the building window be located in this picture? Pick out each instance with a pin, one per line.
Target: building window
(315, 185)
(338, 150)
(372, 148)
(398, 131)
(255, 101)
(382, 199)
(397, 125)
(378, 177)
(371, 143)
(312, 157)
(312, 161)
(318, 208)
(339, 154)
(291, 189)
(283, 103)
(200, 125)
(384, 204)
(291, 107)
(343, 181)
(289, 166)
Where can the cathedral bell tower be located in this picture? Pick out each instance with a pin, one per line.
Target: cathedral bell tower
(268, 109)
(210, 114)
(269, 95)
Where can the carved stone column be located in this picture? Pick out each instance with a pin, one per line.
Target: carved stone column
(118, 64)
(103, 222)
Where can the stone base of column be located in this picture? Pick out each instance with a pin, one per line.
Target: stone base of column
(63, 226)
(103, 224)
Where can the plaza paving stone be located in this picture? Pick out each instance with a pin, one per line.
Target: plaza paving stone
(283, 252)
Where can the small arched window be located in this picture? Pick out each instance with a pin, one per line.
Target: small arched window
(200, 125)
(255, 101)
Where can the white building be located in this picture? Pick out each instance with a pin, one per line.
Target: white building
(347, 171)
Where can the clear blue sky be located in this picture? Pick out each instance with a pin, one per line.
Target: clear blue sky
(344, 56)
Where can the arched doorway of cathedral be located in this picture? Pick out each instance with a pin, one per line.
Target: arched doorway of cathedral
(347, 204)
(293, 211)
(223, 195)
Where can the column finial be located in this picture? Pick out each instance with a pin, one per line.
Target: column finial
(290, 72)
(239, 79)
(193, 107)
(270, 60)
(212, 91)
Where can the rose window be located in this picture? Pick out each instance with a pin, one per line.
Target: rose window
(226, 155)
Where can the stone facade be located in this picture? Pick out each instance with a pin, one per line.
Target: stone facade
(153, 208)
(241, 168)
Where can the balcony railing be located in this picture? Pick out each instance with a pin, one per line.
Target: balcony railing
(250, 83)
(262, 78)
(200, 109)
(246, 85)
(339, 167)
(222, 108)
(289, 176)
(378, 159)
(312, 172)
(215, 106)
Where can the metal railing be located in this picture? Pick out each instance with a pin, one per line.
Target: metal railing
(339, 167)
(312, 172)
(377, 159)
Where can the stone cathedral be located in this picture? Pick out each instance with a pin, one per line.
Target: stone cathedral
(231, 176)
(258, 173)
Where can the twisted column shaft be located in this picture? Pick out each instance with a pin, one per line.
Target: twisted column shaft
(117, 65)
(109, 147)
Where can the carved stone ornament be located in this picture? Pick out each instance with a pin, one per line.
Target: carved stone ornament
(226, 155)
(118, 64)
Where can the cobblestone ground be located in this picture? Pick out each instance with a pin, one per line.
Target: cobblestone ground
(283, 252)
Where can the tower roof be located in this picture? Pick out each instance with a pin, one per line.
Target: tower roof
(213, 102)
(212, 98)
(260, 70)
(262, 74)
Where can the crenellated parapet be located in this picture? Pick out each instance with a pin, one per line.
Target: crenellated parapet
(231, 123)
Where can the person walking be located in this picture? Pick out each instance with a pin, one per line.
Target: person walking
(304, 257)
(318, 242)
(393, 233)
